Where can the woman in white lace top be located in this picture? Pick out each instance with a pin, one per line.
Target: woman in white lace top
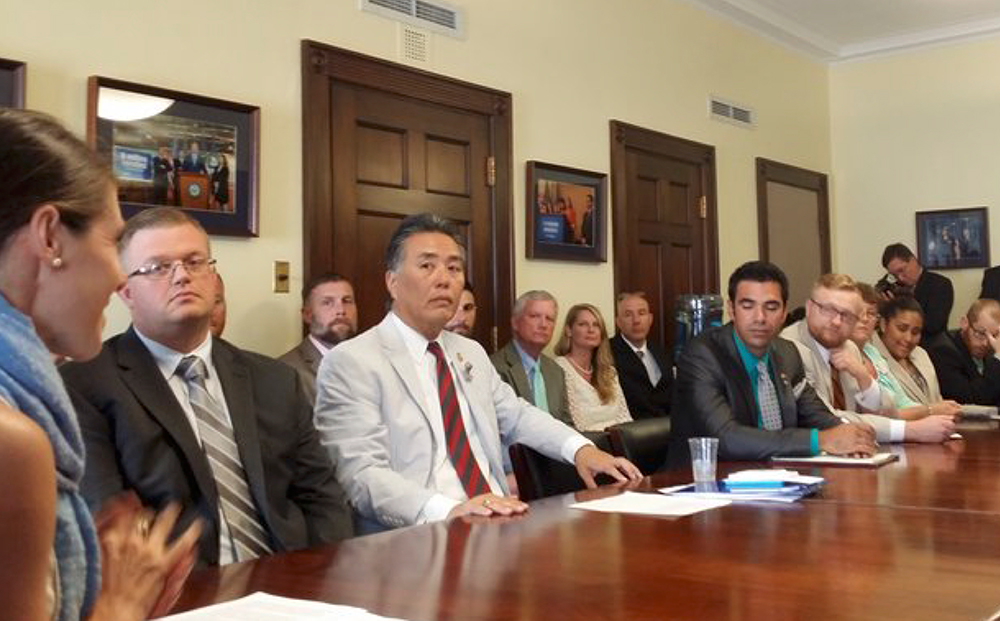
(596, 400)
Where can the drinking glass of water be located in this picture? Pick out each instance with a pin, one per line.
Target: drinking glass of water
(704, 452)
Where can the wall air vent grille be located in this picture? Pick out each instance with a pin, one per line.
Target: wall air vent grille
(414, 45)
(435, 16)
(729, 112)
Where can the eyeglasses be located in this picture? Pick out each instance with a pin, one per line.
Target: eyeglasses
(981, 334)
(832, 312)
(194, 266)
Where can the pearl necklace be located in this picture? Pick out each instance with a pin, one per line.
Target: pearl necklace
(579, 368)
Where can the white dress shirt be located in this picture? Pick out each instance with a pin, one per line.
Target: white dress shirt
(320, 346)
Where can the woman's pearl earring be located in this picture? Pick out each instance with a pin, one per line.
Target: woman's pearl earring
(56, 262)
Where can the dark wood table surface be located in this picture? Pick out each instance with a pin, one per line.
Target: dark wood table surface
(917, 539)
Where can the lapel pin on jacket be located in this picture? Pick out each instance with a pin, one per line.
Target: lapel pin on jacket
(466, 367)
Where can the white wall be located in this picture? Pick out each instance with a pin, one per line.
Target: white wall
(913, 132)
(571, 65)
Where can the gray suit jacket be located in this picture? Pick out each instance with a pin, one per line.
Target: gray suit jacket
(372, 415)
(818, 374)
(304, 358)
(508, 364)
(138, 438)
(714, 398)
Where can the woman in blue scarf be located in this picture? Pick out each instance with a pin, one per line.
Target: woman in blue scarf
(59, 222)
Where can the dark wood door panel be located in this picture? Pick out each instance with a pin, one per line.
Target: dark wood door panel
(382, 141)
(665, 227)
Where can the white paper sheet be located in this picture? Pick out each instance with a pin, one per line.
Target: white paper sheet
(267, 607)
(650, 504)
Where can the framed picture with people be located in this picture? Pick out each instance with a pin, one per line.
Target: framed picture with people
(172, 148)
(953, 238)
(11, 83)
(566, 213)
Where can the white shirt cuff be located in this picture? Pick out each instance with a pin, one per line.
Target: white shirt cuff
(436, 508)
(897, 430)
(870, 398)
(572, 445)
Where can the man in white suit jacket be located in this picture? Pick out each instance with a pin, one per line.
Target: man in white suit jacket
(379, 412)
(823, 341)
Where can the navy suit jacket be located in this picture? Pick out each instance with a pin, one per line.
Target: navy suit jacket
(644, 399)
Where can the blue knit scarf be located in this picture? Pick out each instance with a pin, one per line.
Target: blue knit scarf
(30, 383)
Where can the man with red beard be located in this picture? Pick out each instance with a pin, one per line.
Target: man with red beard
(330, 311)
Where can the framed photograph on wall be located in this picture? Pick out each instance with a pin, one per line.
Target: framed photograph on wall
(566, 213)
(172, 148)
(953, 238)
(11, 83)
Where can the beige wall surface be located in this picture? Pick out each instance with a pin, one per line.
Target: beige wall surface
(914, 132)
(571, 65)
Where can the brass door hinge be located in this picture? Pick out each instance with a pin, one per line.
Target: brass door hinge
(491, 171)
(495, 336)
(703, 207)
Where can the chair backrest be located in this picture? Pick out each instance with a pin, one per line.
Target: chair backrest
(643, 442)
(539, 476)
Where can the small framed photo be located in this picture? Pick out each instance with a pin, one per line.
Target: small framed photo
(11, 83)
(953, 238)
(566, 213)
(172, 148)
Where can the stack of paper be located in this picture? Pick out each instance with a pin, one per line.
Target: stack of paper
(754, 485)
(266, 607)
(981, 412)
(650, 504)
(876, 460)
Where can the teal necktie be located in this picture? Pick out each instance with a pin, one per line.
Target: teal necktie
(538, 388)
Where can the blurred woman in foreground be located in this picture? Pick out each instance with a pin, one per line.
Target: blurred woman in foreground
(59, 224)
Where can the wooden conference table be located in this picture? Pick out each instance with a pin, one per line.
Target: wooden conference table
(916, 539)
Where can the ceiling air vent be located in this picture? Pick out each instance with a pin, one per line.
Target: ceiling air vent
(723, 110)
(436, 16)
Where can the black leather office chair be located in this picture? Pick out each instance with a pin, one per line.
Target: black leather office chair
(643, 442)
(539, 476)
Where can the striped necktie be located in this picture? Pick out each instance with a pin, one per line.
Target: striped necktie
(459, 451)
(767, 399)
(220, 447)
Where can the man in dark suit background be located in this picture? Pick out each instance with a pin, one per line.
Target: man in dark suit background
(521, 363)
(722, 392)
(934, 291)
(644, 369)
(173, 414)
(330, 311)
(967, 360)
(194, 161)
(991, 284)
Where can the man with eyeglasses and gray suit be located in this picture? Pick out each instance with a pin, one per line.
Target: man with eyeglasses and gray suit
(174, 414)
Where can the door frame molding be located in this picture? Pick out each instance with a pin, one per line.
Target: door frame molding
(322, 63)
(625, 136)
(786, 174)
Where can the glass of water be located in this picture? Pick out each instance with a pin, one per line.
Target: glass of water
(704, 453)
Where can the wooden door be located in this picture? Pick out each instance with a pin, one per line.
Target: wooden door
(383, 141)
(793, 199)
(666, 232)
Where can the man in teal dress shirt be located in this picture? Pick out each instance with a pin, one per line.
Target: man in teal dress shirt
(721, 391)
